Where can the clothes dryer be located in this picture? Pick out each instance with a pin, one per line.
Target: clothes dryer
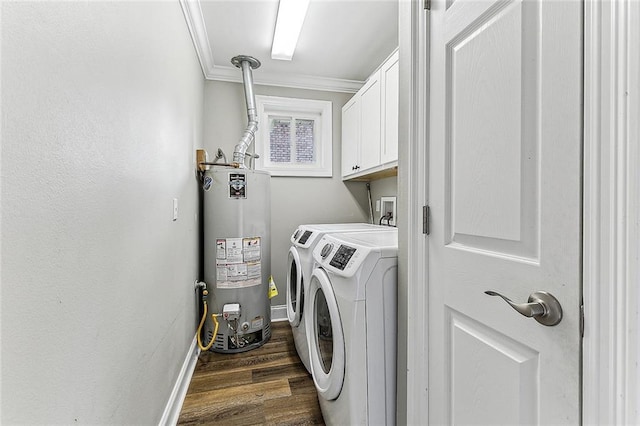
(299, 268)
(351, 326)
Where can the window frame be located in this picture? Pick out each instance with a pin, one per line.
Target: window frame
(322, 114)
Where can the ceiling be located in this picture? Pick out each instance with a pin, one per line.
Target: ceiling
(341, 43)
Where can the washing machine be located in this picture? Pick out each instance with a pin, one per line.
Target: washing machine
(351, 326)
(299, 268)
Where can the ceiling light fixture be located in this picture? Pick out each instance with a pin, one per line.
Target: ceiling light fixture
(291, 14)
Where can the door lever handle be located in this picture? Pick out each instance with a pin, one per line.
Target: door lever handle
(541, 306)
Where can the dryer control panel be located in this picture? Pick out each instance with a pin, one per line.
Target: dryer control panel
(304, 237)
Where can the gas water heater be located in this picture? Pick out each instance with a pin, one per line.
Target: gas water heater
(237, 242)
(237, 256)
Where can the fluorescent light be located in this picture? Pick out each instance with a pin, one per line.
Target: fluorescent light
(291, 14)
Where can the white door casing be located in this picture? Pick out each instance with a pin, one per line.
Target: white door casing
(505, 196)
(611, 376)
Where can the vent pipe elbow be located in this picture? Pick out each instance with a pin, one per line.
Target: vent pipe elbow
(246, 64)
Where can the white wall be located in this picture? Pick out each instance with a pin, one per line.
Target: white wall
(101, 113)
(294, 201)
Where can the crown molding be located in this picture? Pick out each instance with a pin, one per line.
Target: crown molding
(223, 73)
(197, 28)
(195, 21)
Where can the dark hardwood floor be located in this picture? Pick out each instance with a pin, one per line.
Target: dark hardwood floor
(264, 386)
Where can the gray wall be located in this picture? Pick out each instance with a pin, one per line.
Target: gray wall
(294, 200)
(101, 113)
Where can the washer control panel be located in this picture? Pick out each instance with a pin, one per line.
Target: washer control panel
(339, 256)
(342, 257)
(349, 253)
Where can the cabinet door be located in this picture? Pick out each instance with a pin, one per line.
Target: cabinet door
(389, 77)
(370, 123)
(350, 136)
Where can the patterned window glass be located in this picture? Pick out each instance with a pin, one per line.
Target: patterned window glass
(282, 139)
(305, 152)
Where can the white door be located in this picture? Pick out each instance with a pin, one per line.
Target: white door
(505, 196)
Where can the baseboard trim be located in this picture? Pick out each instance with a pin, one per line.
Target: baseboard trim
(279, 313)
(179, 392)
(174, 405)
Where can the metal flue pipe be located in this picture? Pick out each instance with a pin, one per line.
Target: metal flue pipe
(246, 64)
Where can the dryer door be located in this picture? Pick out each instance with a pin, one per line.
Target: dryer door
(295, 290)
(326, 341)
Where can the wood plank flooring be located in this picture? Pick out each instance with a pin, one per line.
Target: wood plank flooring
(264, 386)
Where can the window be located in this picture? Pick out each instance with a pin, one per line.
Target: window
(294, 136)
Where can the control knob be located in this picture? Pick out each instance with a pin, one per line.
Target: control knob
(326, 250)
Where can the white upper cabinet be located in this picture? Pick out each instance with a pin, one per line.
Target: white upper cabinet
(370, 125)
(390, 90)
(351, 133)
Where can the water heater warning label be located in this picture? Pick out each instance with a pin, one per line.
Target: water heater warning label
(251, 249)
(238, 262)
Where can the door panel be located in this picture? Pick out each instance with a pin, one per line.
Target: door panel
(478, 389)
(505, 196)
(491, 133)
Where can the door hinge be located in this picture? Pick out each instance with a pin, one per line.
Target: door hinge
(425, 219)
(427, 4)
(582, 320)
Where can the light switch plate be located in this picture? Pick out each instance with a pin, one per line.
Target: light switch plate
(175, 209)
